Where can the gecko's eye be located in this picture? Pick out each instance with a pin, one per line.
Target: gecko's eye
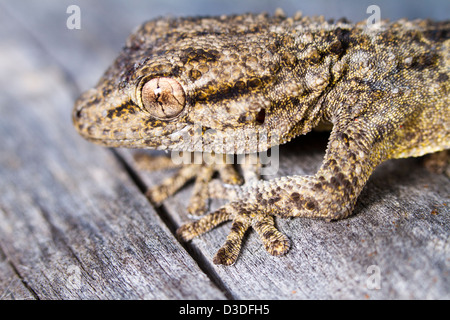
(163, 98)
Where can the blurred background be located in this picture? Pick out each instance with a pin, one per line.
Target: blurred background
(106, 23)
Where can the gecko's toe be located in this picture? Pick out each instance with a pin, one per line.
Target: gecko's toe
(191, 230)
(229, 252)
(274, 241)
(277, 247)
(225, 256)
(157, 195)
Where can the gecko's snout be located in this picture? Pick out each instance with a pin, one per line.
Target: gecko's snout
(82, 114)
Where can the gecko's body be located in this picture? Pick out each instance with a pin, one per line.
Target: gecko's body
(181, 83)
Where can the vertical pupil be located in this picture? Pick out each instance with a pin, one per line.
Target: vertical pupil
(157, 92)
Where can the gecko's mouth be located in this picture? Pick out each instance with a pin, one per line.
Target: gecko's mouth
(129, 144)
(189, 139)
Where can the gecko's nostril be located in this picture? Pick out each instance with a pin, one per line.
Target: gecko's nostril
(78, 113)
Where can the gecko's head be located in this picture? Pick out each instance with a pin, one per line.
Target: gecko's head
(206, 84)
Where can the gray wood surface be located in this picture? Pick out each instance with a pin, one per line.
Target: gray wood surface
(74, 223)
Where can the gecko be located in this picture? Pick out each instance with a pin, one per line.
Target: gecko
(187, 84)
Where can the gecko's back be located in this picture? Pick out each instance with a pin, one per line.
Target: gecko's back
(399, 78)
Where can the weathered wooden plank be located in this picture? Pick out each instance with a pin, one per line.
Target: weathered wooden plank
(73, 224)
(395, 227)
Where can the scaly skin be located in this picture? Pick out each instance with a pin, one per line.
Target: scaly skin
(186, 84)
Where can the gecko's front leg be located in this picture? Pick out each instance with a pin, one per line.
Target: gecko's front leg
(330, 194)
(202, 174)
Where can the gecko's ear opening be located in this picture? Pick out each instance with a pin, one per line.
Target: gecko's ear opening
(261, 116)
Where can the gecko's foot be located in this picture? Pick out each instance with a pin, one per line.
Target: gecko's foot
(202, 173)
(243, 217)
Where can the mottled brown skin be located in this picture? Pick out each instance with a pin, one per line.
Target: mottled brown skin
(385, 90)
